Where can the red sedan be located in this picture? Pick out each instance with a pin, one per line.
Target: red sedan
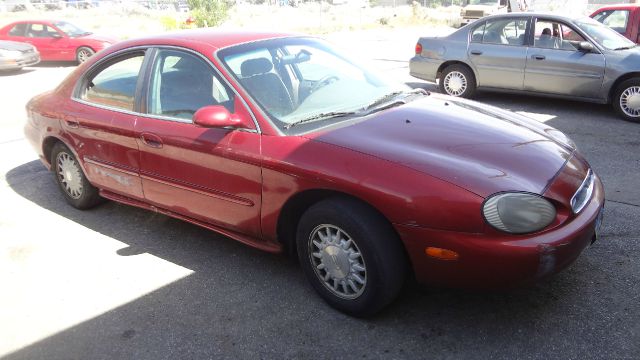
(286, 145)
(56, 40)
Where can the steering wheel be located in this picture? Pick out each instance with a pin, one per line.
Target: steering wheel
(324, 81)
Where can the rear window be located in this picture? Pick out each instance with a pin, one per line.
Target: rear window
(18, 30)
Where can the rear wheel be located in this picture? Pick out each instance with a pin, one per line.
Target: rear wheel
(627, 100)
(83, 53)
(351, 255)
(74, 184)
(458, 80)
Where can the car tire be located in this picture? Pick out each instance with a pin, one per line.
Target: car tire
(458, 80)
(83, 53)
(351, 255)
(626, 101)
(75, 186)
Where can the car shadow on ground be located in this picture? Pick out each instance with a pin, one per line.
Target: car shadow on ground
(241, 302)
(52, 64)
(6, 73)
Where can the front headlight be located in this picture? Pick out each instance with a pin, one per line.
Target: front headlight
(11, 54)
(518, 213)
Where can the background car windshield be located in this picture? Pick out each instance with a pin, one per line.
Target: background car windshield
(482, 2)
(604, 35)
(296, 79)
(70, 29)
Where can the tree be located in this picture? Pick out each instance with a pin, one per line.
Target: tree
(208, 13)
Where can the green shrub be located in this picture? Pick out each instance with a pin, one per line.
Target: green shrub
(208, 13)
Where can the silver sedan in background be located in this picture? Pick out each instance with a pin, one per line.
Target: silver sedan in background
(16, 55)
(574, 58)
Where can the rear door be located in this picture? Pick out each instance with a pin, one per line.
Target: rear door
(100, 123)
(556, 66)
(497, 49)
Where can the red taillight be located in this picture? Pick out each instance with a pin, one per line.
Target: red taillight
(418, 49)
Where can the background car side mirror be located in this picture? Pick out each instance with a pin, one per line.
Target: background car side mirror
(56, 35)
(217, 116)
(585, 46)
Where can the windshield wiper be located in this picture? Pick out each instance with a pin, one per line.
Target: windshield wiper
(320, 116)
(391, 97)
(625, 47)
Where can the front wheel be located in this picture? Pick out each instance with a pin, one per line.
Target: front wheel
(83, 54)
(351, 255)
(458, 80)
(77, 190)
(627, 100)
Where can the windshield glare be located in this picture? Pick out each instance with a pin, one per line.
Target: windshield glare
(604, 35)
(295, 79)
(70, 29)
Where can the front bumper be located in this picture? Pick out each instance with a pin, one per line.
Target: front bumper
(466, 21)
(28, 59)
(488, 262)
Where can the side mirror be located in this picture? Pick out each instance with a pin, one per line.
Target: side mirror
(585, 46)
(56, 35)
(217, 116)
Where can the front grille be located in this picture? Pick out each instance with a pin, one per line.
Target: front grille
(582, 196)
(474, 13)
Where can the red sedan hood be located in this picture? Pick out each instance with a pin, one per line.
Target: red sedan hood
(480, 148)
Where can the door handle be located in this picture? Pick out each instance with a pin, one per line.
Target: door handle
(72, 122)
(476, 52)
(151, 140)
(538, 57)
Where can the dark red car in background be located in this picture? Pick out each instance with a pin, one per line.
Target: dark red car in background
(56, 40)
(286, 145)
(623, 18)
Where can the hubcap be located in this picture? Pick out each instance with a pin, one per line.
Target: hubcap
(630, 101)
(337, 261)
(455, 83)
(69, 175)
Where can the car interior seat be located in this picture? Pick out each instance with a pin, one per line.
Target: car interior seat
(265, 86)
(493, 37)
(184, 89)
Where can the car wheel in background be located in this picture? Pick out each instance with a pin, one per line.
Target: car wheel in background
(458, 80)
(627, 100)
(351, 255)
(83, 53)
(74, 184)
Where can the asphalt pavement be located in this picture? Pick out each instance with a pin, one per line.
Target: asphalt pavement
(117, 282)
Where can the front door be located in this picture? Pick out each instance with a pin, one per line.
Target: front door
(497, 51)
(51, 44)
(208, 174)
(556, 65)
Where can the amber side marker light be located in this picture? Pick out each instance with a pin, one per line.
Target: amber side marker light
(442, 254)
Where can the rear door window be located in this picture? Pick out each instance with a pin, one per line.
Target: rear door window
(18, 30)
(115, 85)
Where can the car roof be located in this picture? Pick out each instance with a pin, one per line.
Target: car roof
(215, 38)
(618, 6)
(546, 15)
